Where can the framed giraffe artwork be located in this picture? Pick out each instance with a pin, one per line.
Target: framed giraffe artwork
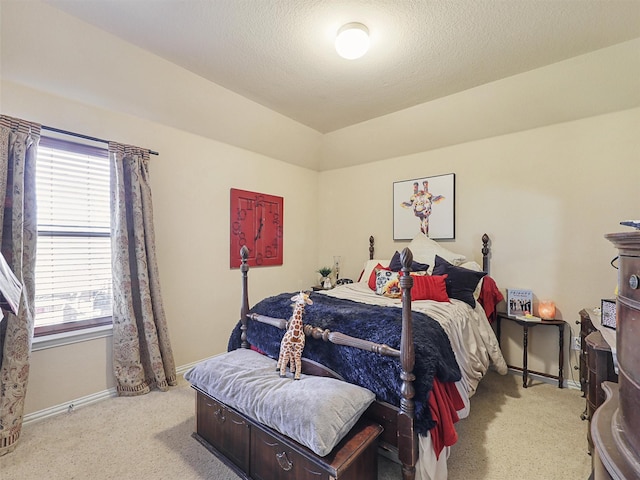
(424, 205)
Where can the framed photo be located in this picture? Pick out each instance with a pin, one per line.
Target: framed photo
(519, 302)
(424, 205)
(608, 310)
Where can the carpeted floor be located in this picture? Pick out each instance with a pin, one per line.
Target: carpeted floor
(512, 433)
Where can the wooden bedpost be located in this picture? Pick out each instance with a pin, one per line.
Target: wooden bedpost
(244, 309)
(407, 438)
(371, 247)
(485, 253)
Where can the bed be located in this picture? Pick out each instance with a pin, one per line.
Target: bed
(421, 355)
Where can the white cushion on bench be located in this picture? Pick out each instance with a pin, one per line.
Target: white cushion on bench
(314, 411)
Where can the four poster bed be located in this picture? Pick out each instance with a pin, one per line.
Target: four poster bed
(419, 341)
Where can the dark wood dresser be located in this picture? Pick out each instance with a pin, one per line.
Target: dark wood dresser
(599, 364)
(615, 427)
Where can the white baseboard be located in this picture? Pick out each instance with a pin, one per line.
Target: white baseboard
(69, 406)
(183, 369)
(87, 400)
(551, 381)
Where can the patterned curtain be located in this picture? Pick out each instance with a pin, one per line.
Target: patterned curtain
(142, 355)
(18, 233)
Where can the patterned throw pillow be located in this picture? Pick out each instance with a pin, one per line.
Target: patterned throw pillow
(372, 277)
(392, 289)
(387, 283)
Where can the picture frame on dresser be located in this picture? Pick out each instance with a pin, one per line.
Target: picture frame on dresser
(608, 311)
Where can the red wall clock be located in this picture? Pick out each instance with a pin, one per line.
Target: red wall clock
(256, 221)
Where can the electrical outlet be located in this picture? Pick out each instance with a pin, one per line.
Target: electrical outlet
(575, 343)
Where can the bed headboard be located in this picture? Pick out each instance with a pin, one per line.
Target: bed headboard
(485, 251)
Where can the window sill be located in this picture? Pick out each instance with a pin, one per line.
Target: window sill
(67, 338)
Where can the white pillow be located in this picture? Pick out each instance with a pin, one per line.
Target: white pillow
(369, 266)
(471, 265)
(425, 250)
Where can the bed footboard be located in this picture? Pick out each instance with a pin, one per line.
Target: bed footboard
(403, 422)
(407, 436)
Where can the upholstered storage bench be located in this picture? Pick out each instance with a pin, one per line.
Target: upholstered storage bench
(271, 428)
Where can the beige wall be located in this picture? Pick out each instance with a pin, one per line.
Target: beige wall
(191, 180)
(57, 80)
(545, 196)
(573, 182)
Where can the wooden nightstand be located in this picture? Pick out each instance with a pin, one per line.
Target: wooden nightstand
(526, 325)
(319, 288)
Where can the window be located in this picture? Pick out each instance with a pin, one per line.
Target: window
(73, 258)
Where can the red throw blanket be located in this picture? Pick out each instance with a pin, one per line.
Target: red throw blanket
(444, 403)
(490, 297)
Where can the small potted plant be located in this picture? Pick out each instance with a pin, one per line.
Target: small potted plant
(325, 281)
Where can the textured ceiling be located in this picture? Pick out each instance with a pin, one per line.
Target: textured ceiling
(280, 53)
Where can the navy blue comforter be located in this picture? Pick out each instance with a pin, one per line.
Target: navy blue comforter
(380, 374)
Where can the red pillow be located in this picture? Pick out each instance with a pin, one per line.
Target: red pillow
(429, 287)
(372, 277)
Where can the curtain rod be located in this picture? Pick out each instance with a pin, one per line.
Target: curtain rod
(86, 137)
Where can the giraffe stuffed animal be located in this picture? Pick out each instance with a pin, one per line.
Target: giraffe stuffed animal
(292, 343)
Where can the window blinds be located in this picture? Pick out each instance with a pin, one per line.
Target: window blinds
(73, 259)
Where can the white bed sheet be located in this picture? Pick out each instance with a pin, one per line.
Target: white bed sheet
(473, 342)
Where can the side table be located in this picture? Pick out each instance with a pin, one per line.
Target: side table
(319, 288)
(526, 325)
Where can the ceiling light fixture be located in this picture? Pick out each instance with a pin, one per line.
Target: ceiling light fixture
(352, 41)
